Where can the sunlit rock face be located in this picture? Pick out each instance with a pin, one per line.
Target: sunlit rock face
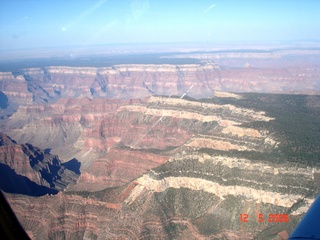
(42, 85)
(155, 162)
(106, 135)
(26, 169)
(173, 167)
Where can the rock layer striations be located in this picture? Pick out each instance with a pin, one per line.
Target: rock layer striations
(48, 84)
(171, 167)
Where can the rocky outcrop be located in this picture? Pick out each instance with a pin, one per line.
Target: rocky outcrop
(118, 167)
(15, 88)
(43, 85)
(28, 170)
(194, 196)
(178, 168)
(162, 166)
(93, 130)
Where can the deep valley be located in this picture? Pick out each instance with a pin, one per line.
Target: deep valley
(163, 151)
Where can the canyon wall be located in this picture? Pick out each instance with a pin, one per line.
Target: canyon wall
(107, 136)
(28, 170)
(173, 167)
(47, 84)
(161, 150)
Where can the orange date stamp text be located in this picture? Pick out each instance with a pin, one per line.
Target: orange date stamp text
(277, 217)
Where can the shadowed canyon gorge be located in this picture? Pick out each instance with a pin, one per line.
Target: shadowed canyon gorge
(163, 151)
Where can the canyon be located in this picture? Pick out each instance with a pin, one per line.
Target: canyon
(162, 151)
(28, 170)
(271, 72)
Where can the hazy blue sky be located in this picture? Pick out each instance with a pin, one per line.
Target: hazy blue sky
(47, 23)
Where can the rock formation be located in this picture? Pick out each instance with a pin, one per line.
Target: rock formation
(161, 150)
(176, 168)
(28, 170)
(47, 84)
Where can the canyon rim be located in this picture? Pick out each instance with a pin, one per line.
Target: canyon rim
(165, 150)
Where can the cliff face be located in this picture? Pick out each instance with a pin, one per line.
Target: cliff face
(28, 170)
(178, 168)
(48, 84)
(108, 134)
(197, 196)
(155, 162)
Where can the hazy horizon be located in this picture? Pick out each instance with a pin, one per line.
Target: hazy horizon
(59, 24)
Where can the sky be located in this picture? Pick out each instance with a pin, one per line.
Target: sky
(26, 24)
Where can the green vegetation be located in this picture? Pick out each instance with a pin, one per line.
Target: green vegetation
(296, 124)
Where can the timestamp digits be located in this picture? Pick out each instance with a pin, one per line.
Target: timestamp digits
(278, 217)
